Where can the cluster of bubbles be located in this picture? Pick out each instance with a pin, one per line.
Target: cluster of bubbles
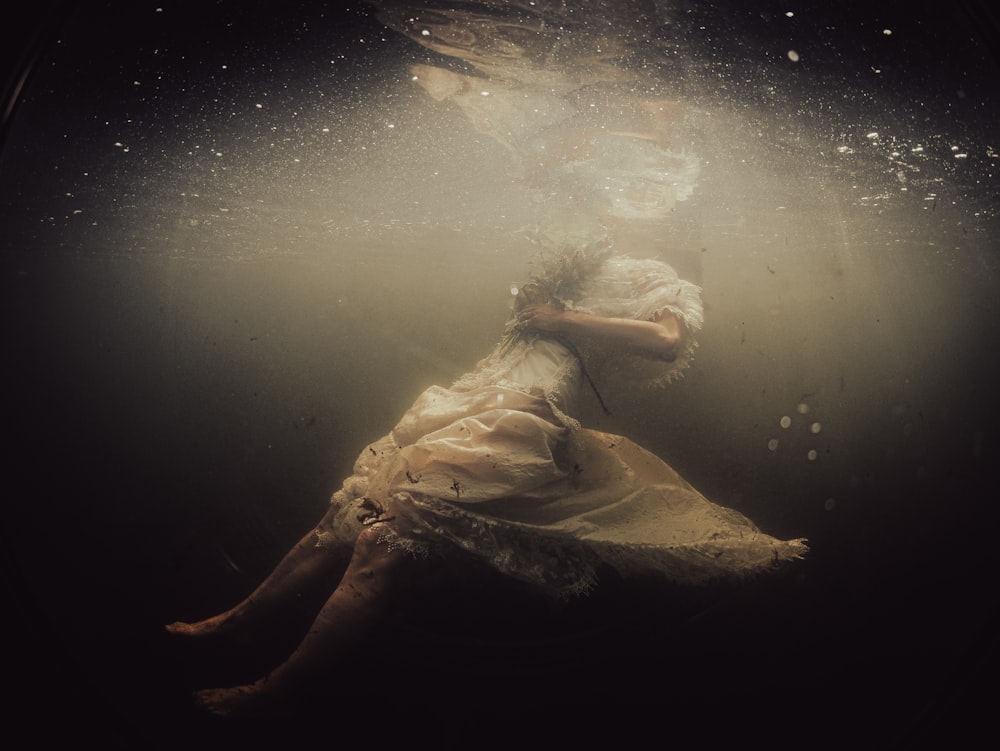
(814, 428)
(785, 423)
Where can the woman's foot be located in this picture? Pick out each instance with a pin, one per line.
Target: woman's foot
(253, 701)
(224, 635)
(217, 651)
(218, 625)
(229, 702)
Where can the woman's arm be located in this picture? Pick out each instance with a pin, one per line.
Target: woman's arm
(658, 339)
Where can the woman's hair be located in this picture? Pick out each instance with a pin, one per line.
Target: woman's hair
(561, 272)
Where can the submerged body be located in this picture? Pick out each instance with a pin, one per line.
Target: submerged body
(496, 468)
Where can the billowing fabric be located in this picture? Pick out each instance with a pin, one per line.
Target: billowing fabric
(495, 466)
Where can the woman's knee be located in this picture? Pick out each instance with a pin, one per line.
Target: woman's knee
(374, 534)
(374, 553)
(329, 521)
(371, 541)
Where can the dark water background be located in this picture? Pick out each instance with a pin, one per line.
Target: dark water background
(210, 307)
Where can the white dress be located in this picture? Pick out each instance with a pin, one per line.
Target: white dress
(497, 467)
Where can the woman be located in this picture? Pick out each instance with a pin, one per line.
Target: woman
(495, 469)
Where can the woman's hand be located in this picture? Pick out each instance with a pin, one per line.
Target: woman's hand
(541, 317)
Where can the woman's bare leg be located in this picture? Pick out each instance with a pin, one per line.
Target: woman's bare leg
(339, 631)
(299, 584)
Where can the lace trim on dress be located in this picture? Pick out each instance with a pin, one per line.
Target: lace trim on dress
(560, 564)
(566, 566)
